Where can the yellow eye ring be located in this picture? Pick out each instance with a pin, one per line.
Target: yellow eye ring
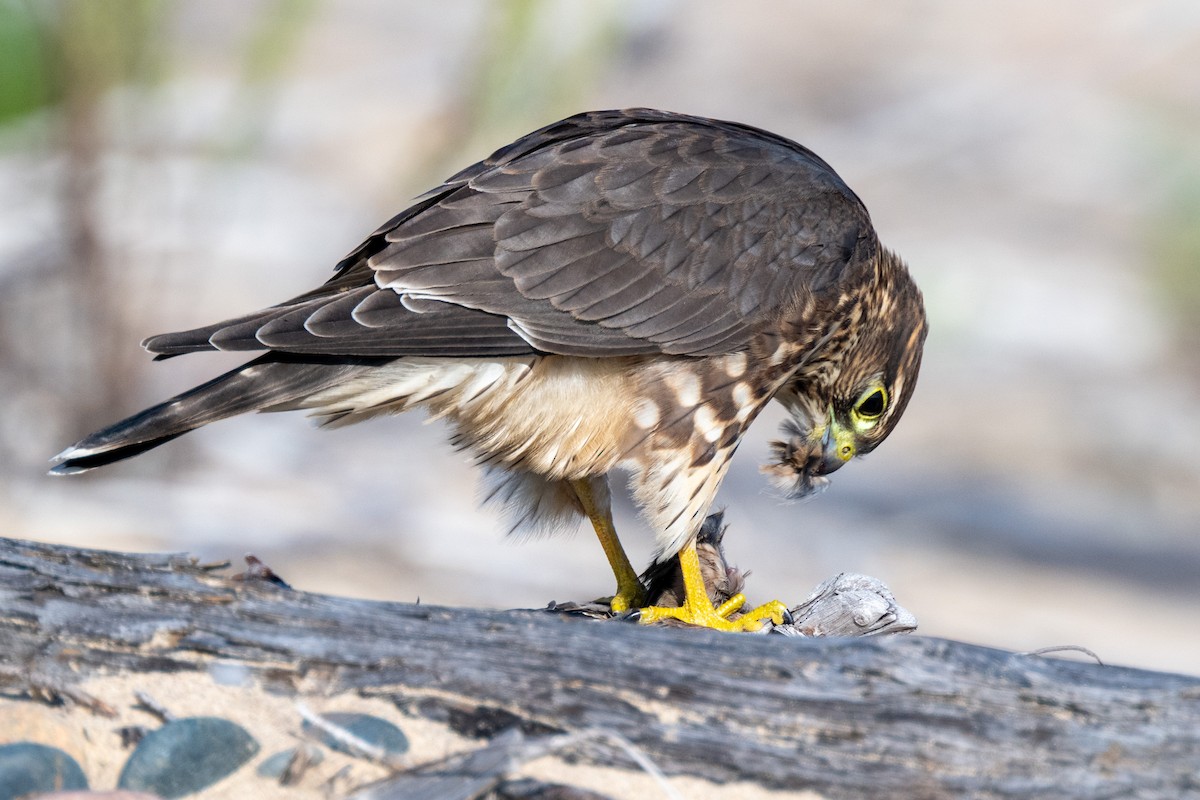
(871, 405)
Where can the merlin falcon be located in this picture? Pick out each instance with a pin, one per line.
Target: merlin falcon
(618, 290)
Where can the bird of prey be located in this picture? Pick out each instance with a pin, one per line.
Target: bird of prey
(618, 290)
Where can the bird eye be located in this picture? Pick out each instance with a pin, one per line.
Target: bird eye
(871, 405)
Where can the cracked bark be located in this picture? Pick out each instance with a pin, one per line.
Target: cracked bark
(847, 717)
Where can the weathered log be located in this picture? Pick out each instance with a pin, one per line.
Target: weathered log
(862, 717)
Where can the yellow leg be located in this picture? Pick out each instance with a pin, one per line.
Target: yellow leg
(697, 609)
(630, 593)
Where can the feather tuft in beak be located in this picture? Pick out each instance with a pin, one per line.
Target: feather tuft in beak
(798, 465)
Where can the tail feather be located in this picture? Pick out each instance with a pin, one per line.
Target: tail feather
(260, 385)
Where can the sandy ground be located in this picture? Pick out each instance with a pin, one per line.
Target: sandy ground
(275, 722)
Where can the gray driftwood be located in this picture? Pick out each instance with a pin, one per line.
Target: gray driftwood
(864, 717)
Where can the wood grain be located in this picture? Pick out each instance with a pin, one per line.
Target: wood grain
(857, 717)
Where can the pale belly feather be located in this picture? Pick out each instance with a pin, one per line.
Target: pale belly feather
(562, 418)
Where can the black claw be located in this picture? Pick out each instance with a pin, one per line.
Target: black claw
(788, 619)
(632, 615)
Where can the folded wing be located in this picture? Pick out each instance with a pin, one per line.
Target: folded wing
(607, 234)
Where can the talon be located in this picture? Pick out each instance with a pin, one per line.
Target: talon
(697, 609)
(620, 603)
(776, 611)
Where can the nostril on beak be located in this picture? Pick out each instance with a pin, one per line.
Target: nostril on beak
(834, 455)
(834, 448)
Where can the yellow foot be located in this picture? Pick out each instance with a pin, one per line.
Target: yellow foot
(705, 615)
(697, 609)
(625, 599)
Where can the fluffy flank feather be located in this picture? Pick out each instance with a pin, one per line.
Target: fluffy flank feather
(532, 505)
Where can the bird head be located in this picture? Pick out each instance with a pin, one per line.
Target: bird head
(849, 397)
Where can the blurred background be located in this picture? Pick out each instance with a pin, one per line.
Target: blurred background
(167, 164)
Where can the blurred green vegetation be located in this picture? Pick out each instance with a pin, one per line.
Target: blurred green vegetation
(528, 69)
(525, 59)
(1175, 252)
(25, 62)
(279, 32)
(276, 37)
(62, 51)
(526, 64)
(50, 50)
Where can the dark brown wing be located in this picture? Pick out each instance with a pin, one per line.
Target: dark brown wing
(609, 233)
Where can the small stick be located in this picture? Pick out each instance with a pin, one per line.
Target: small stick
(1064, 648)
(358, 745)
(153, 706)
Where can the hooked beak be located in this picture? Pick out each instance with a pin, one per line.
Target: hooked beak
(808, 454)
(837, 447)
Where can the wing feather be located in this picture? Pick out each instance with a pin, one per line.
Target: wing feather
(609, 233)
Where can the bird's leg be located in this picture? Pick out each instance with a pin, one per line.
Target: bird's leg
(630, 593)
(697, 609)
